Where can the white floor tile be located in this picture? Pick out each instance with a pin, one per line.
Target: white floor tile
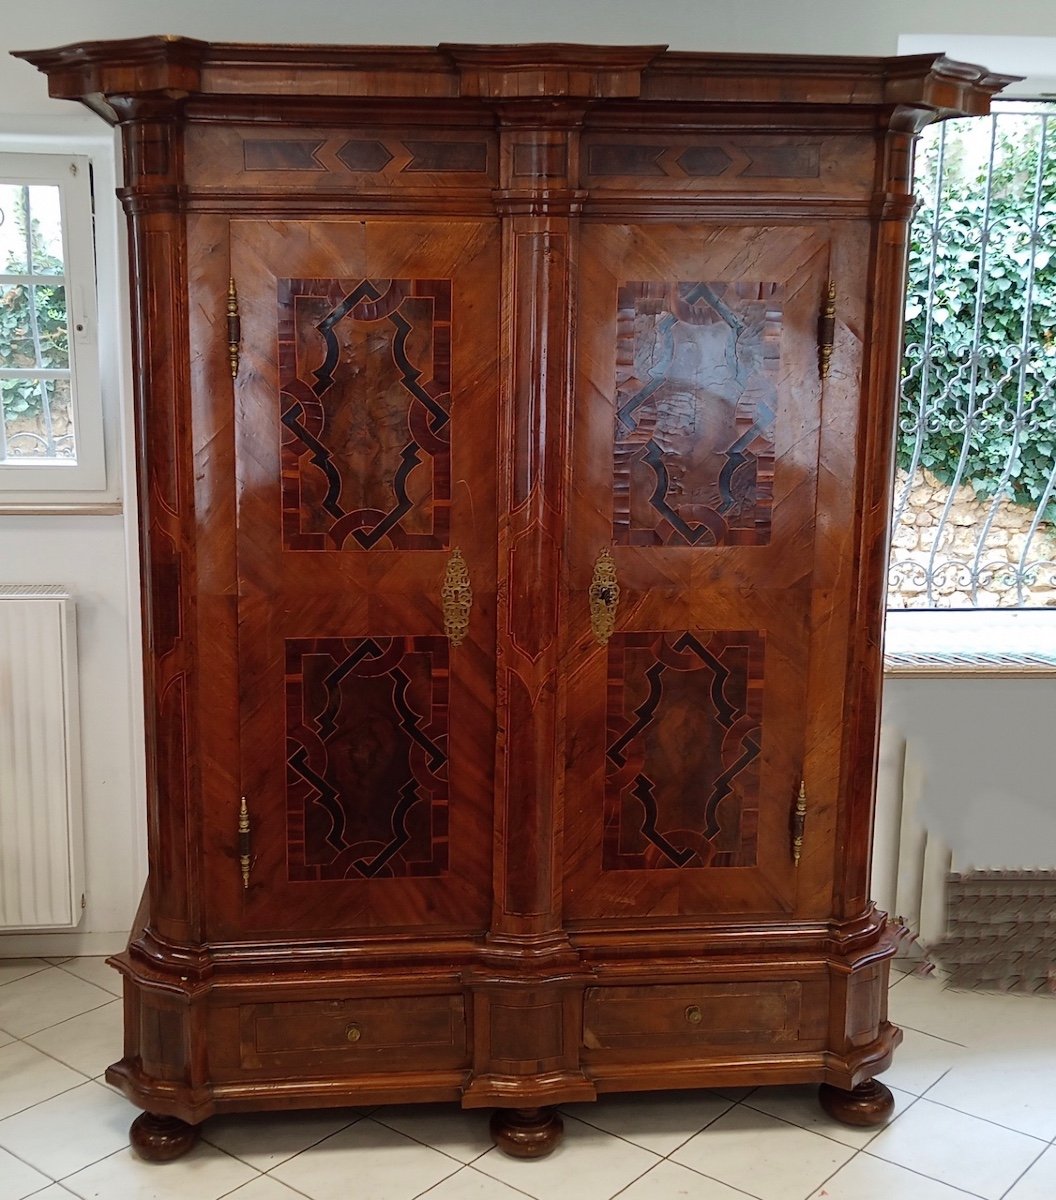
(55, 1192)
(470, 1184)
(45, 998)
(462, 1133)
(973, 1018)
(5, 1038)
(868, 1178)
(669, 1181)
(95, 970)
(18, 1180)
(19, 968)
(68, 1132)
(27, 1077)
(264, 1188)
(368, 1159)
(658, 1121)
(961, 1150)
(799, 1106)
(1011, 1085)
(88, 1043)
(204, 1174)
(266, 1139)
(587, 1165)
(920, 1061)
(1039, 1183)
(763, 1156)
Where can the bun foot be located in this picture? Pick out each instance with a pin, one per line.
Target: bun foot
(526, 1132)
(161, 1139)
(870, 1103)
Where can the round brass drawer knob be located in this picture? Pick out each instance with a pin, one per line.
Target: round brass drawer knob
(353, 1033)
(693, 1015)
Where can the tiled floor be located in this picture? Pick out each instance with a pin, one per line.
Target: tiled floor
(976, 1116)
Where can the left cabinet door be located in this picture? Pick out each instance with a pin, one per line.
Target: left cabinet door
(365, 481)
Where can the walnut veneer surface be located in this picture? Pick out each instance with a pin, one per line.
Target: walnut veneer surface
(515, 432)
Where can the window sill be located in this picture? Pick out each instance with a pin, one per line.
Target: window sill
(1006, 642)
(89, 508)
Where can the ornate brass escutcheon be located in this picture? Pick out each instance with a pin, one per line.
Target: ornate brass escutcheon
(604, 595)
(456, 598)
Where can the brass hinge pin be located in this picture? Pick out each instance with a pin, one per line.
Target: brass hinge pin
(234, 328)
(827, 330)
(244, 859)
(799, 820)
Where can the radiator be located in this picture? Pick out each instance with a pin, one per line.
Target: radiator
(41, 841)
(911, 864)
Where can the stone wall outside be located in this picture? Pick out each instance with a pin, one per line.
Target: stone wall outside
(958, 536)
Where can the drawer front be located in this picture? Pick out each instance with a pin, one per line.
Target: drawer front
(697, 1014)
(378, 1032)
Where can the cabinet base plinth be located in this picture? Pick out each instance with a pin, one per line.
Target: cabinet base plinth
(161, 1139)
(526, 1132)
(870, 1103)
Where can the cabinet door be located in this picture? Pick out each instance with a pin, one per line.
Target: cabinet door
(695, 465)
(365, 467)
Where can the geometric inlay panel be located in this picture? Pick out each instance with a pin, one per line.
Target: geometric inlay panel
(696, 393)
(365, 382)
(366, 754)
(682, 750)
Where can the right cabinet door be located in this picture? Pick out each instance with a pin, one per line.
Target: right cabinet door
(695, 480)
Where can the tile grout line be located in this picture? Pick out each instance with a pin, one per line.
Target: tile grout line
(485, 1175)
(923, 1175)
(1029, 1167)
(62, 967)
(282, 1162)
(975, 1116)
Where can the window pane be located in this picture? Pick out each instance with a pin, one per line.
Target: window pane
(38, 419)
(46, 220)
(35, 337)
(52, 329)
(13, 257)
(16, 327)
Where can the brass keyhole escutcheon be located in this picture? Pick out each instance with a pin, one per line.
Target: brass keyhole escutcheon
(353, 1033)
(693, 1015)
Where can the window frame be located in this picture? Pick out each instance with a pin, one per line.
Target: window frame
(32, 483)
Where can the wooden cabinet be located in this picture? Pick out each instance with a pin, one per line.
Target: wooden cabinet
(515, 441)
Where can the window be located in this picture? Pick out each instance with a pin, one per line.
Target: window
(51, 436)
(975, 500)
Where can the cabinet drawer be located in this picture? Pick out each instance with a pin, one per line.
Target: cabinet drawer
(692, 1014)
(376, 1031)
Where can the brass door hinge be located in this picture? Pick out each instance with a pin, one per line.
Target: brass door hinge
(827, 330)
(234, 329)
(244, 856)
(799, 821)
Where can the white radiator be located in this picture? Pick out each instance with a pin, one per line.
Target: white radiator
(911, 865)
(41, 842)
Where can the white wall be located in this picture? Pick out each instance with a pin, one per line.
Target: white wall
(984, 750)
(89, 554)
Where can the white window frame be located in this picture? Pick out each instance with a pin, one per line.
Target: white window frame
(31, 482)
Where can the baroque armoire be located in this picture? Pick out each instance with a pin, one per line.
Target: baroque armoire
(515, 438)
